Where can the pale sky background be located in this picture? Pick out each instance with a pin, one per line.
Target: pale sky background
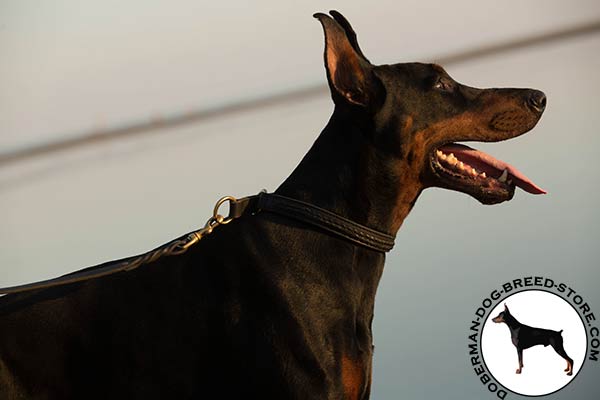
(73, 67)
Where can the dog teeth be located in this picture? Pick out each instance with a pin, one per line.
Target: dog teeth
(483, 175)
(509, 182)
(504, 175)
(459, 165)
(452, 160)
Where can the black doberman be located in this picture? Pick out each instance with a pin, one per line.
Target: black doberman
(268, 306)
(524, 337)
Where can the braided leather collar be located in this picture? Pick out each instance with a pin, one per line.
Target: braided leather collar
(316, 216)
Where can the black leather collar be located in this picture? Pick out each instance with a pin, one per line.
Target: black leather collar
(316, 216)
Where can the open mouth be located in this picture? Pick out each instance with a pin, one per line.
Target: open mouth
(469, 170)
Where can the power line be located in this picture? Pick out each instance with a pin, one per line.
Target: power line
(530, 41)
(171, 121)
(270, 100)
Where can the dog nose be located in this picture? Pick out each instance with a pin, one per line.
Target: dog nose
(537, 100)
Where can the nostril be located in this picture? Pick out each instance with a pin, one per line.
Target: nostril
(541, 100)
(537, 100)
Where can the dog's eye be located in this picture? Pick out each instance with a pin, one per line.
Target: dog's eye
(443, 85)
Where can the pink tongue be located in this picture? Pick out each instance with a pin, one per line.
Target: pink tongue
(482, 161)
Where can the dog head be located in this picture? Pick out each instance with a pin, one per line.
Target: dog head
(502, 316)
(414, 113)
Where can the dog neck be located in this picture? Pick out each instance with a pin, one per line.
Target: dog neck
(346, 173)
(511, 321)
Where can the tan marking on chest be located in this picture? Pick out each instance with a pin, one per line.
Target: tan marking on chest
(352, 378)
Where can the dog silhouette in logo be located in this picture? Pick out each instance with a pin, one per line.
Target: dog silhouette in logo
(524, 337)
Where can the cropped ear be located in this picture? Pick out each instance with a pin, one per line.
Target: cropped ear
(506, 308)
(348, 71)
(349, 32)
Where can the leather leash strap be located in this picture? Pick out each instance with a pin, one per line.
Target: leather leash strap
(281, 205)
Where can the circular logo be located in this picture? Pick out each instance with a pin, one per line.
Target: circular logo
(533, 343)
